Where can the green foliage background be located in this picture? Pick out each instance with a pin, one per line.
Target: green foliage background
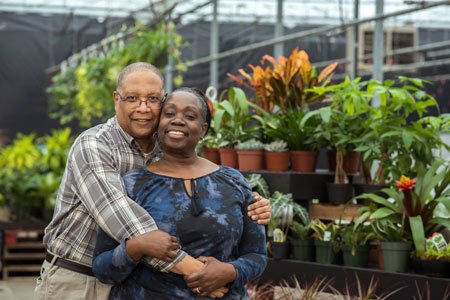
(84, 94)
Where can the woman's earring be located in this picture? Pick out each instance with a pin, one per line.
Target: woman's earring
(201, 140)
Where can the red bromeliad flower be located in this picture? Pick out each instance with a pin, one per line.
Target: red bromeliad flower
(405, 183)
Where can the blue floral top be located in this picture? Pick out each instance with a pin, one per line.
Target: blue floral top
(212, 221)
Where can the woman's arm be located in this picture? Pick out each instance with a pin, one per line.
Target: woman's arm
(114, 262)
(250, 264)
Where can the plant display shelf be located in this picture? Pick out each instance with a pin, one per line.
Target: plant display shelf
(330, 212)
(22, 252)
(278, 271)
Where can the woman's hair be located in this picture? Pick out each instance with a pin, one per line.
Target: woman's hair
(202, 99)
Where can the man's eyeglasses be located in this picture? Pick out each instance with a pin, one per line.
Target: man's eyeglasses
(135, 101)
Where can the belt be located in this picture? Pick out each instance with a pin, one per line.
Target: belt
(69, 265)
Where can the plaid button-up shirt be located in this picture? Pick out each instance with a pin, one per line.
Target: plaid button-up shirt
(92, 194)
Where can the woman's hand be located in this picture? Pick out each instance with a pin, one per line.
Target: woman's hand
(213, 276)
(261, 210)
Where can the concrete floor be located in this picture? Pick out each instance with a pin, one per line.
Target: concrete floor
(19, 288)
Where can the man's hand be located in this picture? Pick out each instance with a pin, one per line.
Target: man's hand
(261, 210)
(157, 244)
(213, 276)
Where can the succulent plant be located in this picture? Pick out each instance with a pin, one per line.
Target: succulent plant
(251, 144)
(276, 146)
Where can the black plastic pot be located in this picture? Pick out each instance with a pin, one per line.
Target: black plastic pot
(339, 193)
(434, 268)
(360, 259)
(396, 256)
(279, 250)
(325, 253)
(303, 250)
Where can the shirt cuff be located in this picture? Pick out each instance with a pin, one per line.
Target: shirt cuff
(121, 257)
(164, 266)
(236, 284)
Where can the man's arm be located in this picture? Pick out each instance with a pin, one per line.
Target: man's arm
(101, 190)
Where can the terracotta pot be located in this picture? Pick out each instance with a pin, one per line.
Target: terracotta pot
(351, 162)
(277, 161)
(212, 154)
(250, 160)
(303, 161)
(228, 157)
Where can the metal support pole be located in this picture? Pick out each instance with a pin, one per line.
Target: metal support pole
(354, 68)
(378, 48)
(169, 74)
(278, 49)
(214, 48)
(378, 43)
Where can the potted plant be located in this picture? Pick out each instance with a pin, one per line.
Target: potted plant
(210, 149)
(30, 172)
(340, 124)
(232, 122)
(327, 241)
(285, 84)
(284, 211)
(276, 156)
(282, 89)
(302, 242)
(414, 203)
(434, 262)
(399, 139)
(299, 137)
(355, 247)
(250, 155)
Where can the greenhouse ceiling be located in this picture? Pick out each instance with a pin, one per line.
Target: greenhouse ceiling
(294, 11)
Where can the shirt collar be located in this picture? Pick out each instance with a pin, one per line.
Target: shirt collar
(127, 137)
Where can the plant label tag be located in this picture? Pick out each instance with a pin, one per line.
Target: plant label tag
(327, 236)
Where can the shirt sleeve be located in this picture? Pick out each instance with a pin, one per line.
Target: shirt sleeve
(111, 263)
(252, 259)
(100, 188)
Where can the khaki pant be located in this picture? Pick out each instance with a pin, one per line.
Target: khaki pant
(56, 283)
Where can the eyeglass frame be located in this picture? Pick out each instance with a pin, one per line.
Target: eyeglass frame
(139, 101)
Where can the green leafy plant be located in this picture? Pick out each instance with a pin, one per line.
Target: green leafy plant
(325, 231)
(258, 184)
(356, 234)
(84, 93)
(301, 231)
(284, 211)
(342, 122)
(232, 118)
(434, 254)
(30, 172)
(399, 137)
(412, 208)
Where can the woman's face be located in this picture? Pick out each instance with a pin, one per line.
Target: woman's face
(181, 124)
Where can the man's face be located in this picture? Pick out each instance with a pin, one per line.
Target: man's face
(139, 119)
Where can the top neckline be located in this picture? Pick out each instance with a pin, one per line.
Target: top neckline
(181, 178)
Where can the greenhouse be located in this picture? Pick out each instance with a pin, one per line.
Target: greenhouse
(286, 149)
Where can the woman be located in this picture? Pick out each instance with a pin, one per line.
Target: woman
(204, 205)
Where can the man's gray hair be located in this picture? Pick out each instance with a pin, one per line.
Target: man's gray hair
(137, 67)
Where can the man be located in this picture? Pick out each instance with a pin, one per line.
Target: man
(92, 193)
